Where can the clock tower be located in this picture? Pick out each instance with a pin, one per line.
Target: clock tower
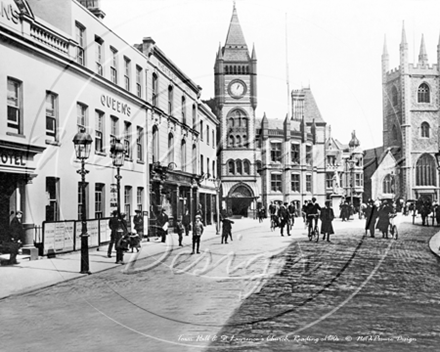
(235, 101)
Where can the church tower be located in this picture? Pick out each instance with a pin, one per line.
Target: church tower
(235, 103)
(410, 123)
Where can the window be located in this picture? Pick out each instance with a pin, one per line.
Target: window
(183, 109)
(51, 115)
(308, 183)
(394, 96)
(154, 90)
(207, 166)
(426, 171)
(194, 114)
(239, 167)
(170, 148)
(358, 180)
(231, 141)
(140, 143)
(201, 130)
(309, 155)
(81, 114)
(52, 193)
(114, 128)
(246, 167)
(294, 153)
(140, 197)
(275, 182)
(213, 168)
(81, 199)
(127, 73)
(331, 160)
(99, 200)
(424, 129)
(127, 139)
(99, 55)
(114, 66)
(14, 106)
(213, 139)
(275, 152)
(423, 93)
(201, 164)
(170, 100)
(207, 135)
(295, 182)
(183, 155)
(155, 146)
(329, 180)
(81, 39)
(127, 199)
(99, 131)
(231, 167)
(388, 184)
(139, 81)
(194, 159)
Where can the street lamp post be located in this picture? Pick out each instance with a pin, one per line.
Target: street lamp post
(82, 142)
(218, 184)
(117, 151)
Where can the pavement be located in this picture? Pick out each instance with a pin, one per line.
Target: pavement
(28, 275)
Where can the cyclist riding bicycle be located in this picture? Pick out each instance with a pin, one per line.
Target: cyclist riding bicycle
(313, 210)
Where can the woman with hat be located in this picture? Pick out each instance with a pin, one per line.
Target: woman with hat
(370, 217)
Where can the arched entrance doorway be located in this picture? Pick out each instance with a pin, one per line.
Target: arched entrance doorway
(239, 199)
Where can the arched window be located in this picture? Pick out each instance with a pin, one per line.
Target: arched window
(194, 159)
(245, 141)
(194, 115)
(170, 148)
(235, 69)
(238, 141)
(183, 155)
(426, 171)
(231, 141)
(226, 69)
(155, 146)
(231, 122)
(423, 93)
(244, 122)
(388, 184)
(424, 129)
(170, 100)
(154, 90)
(183, 109)
(239, 69)
(394, 96)
(231, 167)
(247, 69)
(246, 167)
(239, 167)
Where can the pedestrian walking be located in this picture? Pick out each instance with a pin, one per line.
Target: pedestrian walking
(226, 230)
(261, 213)
(113, 224)
(186, 222)
(180, 229)
(138, 222)
(197, 233)
(327, 216)
(16, 228)
(283, 215)
(121, 238)
(384, 218)
(292, 210)
(304, 212)
(163, 223)
(370, 217)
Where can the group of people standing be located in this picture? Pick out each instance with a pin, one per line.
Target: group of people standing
(377, 216)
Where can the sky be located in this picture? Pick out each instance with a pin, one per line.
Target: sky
(332, 46)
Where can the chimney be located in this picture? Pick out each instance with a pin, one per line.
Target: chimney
(94, 6)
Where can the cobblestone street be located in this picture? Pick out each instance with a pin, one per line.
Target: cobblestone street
(359, 293)
(246, 295)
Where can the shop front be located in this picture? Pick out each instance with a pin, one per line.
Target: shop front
(17, 170)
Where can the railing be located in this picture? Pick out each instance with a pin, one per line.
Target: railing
(49, 38)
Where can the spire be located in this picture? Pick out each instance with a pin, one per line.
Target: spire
(219, 54)
(385, 49)
(403, 42)
(423, 56)
(254, 54)
(235, 38)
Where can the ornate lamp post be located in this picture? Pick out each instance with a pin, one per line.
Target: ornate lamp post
(117, 151)
(218, 184)
(82, 143)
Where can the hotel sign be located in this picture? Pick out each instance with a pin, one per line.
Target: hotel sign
(12, 158)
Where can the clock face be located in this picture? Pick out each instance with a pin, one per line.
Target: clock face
(237, 89)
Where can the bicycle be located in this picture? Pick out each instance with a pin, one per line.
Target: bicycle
(392, 228)
(313, 231)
